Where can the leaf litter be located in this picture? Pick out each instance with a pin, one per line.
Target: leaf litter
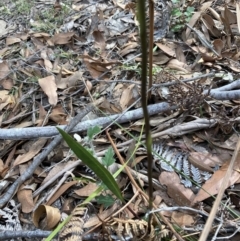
(57, 57)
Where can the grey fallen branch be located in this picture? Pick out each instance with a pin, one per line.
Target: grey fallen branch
(39, 158)
(226, 92)
(49, 131)
(9, 234)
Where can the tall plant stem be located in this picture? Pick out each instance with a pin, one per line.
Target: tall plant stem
(151, 34)
(143, 40)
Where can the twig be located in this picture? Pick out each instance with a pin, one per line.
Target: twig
(171, 209)
(38, 159)
(36, 132)
(181, 129)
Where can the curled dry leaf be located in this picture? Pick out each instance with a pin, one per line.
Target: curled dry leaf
(46, 217)
(49, 87)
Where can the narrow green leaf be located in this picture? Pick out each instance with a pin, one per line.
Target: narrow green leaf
(104, 175)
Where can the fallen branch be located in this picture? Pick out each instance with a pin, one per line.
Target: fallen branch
(49, 131)
(9, 234)
(226, 92)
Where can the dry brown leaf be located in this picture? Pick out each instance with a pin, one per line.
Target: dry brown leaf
(49, 87)
(26, 199)
(213, 185)
(46, 217)
(60, 191)
(61, 38)
(4, 70)
(12, 40)
(48, 65)
(56, 169)
(69, 81)
(58, 115)
(106, 106)
(204, 160)
(87, 190)
(4, 29)
(34, 149)
(99, 40)
(94, 68)
(218, 45)
(128, 48)
(87, 88)
(230, 16)
(127, 97)
(209, 23)
(42, 116)
(5, 51)
(182, 219)
(6, 99)
(175, 64)
(192, 22)
(181, 195)
(169, 49)
(7, 84)
(160, 59)
(215, 14)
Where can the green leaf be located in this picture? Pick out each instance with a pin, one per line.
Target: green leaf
(107, 200)
(108, 159)
(176, 12)
(92, 131)
(104, 175)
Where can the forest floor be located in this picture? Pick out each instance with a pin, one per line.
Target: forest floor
(62, 59)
